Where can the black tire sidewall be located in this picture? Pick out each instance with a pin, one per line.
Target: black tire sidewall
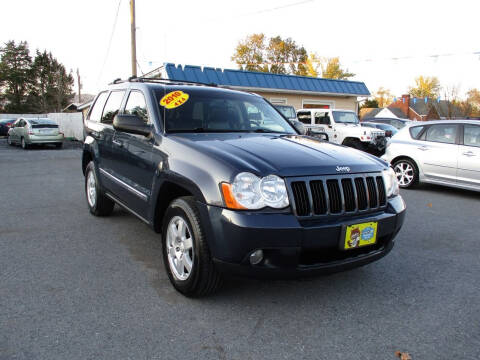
(415, 172)
(181, 208)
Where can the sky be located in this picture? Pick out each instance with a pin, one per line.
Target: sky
(385, 43)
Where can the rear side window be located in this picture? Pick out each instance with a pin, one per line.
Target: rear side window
(112, 106)
(442, 133)
(136, 105)
(305, 117)
(471, 135)
(322, 118)
(97, 108)
(414, 131)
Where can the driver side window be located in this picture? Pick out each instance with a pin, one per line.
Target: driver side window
(322, 118)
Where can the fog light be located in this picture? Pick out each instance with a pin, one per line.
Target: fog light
(256, 257)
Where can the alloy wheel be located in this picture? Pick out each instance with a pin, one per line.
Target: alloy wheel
(91, 189)
(179, 248)
(405, 173)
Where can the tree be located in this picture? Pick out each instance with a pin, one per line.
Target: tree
(283, 55)
(313, 65)
(369, 104)
(332, 69)
(286, 57)
(383, 97)
(15, 77)
(250, 53)
(425, 86)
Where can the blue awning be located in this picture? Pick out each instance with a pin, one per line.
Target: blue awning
(250, 79)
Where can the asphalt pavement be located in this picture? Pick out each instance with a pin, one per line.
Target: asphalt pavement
(73, 286)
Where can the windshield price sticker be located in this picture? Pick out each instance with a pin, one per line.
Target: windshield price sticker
(174, 99)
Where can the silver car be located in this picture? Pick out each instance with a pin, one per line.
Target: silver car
(443, 152)
(27, 131)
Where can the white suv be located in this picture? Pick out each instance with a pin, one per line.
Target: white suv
(342, 127)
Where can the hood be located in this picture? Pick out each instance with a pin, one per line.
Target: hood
(283, 155)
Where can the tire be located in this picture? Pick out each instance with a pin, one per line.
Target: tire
(356, 144)
(24, 144)
(197, 275)
(9, 141)
(98, 203)
(407, 173)
(59, 145)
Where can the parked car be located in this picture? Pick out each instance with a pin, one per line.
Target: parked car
(232, 186)
(439, 152)
(395, 122)
(343, 127)
(289, 113)
(389, 129)
(5, 125)
(29, 131)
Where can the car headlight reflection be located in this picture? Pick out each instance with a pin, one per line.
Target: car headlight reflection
(391, 182)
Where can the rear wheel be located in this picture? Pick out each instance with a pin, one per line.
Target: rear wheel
(24, 144)
(98, 203)
(185, 251)
(407, 173)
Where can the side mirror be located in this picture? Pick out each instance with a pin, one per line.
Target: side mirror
(131, 124)
(318, 134)
(299, 127)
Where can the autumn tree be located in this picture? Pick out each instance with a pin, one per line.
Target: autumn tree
(332, 69)
(313, 65)
(383, 97)
(286, 57)
(250, 53)
(369, 104)
(425, 86)
(15, 77)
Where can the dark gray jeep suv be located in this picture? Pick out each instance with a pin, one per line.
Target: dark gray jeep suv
(232, 186)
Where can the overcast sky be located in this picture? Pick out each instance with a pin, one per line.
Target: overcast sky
(367, 35)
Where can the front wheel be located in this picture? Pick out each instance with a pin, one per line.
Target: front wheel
(185, 251)
(407, 173)
(98, 203)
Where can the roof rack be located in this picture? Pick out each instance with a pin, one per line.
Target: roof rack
(161, 81)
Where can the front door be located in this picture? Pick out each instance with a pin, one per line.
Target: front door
(469, 157)
(133, 163)
(438, 153)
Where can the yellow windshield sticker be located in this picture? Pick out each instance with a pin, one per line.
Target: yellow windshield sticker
(174, 99)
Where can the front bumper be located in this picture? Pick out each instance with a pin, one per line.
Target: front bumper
(44, 139)
(293, 248)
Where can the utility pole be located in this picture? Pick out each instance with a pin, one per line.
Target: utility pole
(133, 38)
(79, 87)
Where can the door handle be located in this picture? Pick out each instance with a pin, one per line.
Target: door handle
(118, 143)
(423, 148)
(468, 153)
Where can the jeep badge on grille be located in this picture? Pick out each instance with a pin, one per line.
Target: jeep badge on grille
(343, 169)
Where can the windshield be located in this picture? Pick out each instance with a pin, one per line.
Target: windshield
(207, 110)
(287, 111)
(41, 122)
(345, 117)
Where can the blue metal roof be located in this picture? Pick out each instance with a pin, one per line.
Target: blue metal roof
(250, 79)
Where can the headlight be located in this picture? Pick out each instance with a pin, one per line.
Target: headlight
(248, 191)
(391, 182)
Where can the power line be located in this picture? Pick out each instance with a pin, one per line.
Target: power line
(109, 41)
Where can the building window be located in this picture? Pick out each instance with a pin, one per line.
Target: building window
(317, 104)
(278, 101)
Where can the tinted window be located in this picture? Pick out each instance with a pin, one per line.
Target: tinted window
(136, 105)
(97, 109)
(204, 110)
(442, 133)
(471, 135)
(112, 106)
(321, 118)
(287, 111)
(414, 131)
(304, 117)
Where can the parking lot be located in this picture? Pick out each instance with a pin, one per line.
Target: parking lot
(73, 286)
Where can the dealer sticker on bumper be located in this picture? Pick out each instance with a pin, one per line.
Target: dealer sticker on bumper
(359, 235)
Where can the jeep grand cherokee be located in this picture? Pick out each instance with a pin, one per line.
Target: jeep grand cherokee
(232, 187)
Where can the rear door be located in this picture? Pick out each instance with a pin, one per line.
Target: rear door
(469, 156)
(438, 152)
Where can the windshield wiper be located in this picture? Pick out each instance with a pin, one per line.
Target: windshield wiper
(267, 131)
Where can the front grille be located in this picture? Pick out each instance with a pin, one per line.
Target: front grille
(336, 195)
